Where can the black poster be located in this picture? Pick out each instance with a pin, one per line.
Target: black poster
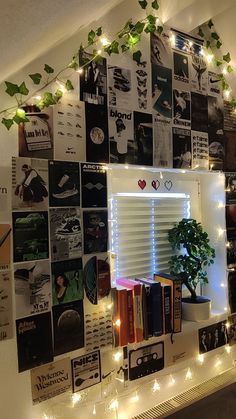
(215, 115)
(232, 291)
(212, 337)
(97, 144)
(94, 185)
(199, 120)
(93, 80)
(30, 235)
(216, 152)
(162, 90)
(230, 151)
(143, 135)
(95, 231)
(182, 153)
(34, 341)
(68, 327)
(230, 188)
(64, 184)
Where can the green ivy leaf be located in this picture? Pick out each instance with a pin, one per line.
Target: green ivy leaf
(139, 27)
(113, 48)
(210, 24)
(133, 40)
(20, 116)
(99, 31)
(7, 122)
(201, 33)
(23, 89)
(36, 77)
(160, 29)
(208, 44)
(218, 62)
(227, 57)
(215, 36)
(48, 69)
(81, 49)
(150, 28)
(126, 29)
(151, 19)
(125, 47)
(91, 37)
(155, 5)
(137, 56)
(58, 94)
(218, 44)
(73, 64)
(229, 69)
(143, 3)
(69, 86)
(11, 89)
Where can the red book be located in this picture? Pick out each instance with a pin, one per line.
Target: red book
(131, 337)
(138, 317)
(123, 316)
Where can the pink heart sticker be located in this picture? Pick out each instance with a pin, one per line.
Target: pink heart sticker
(155, 184)
(142, 183)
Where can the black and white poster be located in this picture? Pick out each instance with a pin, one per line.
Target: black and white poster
(86, 370)
(230, 151)
(162, 131)
(93, 80)
(5, 246)
(215, 115)
(199, 76)
(161, 51)
(216, 152)
(29, 183)
(50, 380)
(6, 313)
(67, 281)
(32, 288)
(232, 291)
(36, 135)
(97, 277)
(68, 327)
(141, 89)
(200, 149)
(230, 188)
(69, 130)
(97, 144)
(121, 135)
(212, 337)
(143, 136)
(162, 90)
(230, 211)
(187, 44)
(95, 231)
(182, 152)
(119, 87)
(231, 252)
(34, 341)
(181, 108)
(181, 71)
(199, 112)
(146, 360)
(232, 329)
(94, 185)
(64, 184)
(30, 235)
(214, 84)
(65, 233)
(98, 326)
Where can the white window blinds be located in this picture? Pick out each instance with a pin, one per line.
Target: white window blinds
(139, 232)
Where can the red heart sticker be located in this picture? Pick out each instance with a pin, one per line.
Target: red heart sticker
(155, 184)
(142, 183)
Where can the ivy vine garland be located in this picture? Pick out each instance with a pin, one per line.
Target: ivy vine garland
(126, 39)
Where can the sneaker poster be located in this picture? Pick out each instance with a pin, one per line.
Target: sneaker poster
(32, 288)
(65, 233)
(95, 231)
(67, 281)
(64, 184)
(94, 185)
(119, 87)
(97, 145)
(93, 80)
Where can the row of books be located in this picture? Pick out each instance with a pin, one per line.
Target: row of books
(146, 307)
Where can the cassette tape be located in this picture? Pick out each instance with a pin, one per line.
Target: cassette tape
(146, 360)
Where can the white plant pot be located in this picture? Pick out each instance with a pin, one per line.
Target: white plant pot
(196, 311)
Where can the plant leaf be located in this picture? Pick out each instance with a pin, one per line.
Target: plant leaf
(150, 28)
(155, 5)
(7, 122)
(139, 27)
(69, 86)
(229, 69)
(227, 57)
(215, 36)
(48, 69)
(143, 3)
(113, 48)
(137, 56)
(218, 62)
(125, 47)
(58, 94)
(151, 19)
(23, 90)
(208, 43)
(99, 31)
(200, 32)
(210, 24)
(160, 29)
(73, 64)
(91, 37)
(218, 44)
(11, 89)
(20, 116)
(36, 77)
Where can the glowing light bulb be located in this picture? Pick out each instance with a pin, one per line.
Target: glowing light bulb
(211, 166)
(202, 52)
(227, 325)
(61, 86)
(183, 171)
(37, 97)
(222, 285)
(99, 51)
(113, 405)
(94, 410)
(200, 358)
(135, 398)
(109, 306)
(190, 43)
(218, 363)
(117, 356)
(80, 70)
(225, 309)
(220, 204)
(210, 58)
(76, 398)
(224, 71)
(118, 323)
(226, 93)
(161, 175)
(104, 41)
(172, 39)
(189, 375)
(126, 166)
(220, 232)
(156, 386)
(228, 349)
(172, 380)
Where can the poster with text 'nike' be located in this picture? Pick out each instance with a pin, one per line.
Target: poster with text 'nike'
(64, 184)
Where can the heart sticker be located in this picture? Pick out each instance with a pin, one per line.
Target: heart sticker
(142, 183)
(168, 184)
(155, 184)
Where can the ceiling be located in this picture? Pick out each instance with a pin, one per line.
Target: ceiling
(29, 29)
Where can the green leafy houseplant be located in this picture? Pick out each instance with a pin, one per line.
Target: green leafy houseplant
(197, 254)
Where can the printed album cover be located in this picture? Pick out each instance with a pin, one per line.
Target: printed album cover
(50, 380)
(67, 281)
(36, 135)
(29, 183)
(32, 288)
(119, 87)
(181, 108)
(97, 144)
(161, 50)
(94, 185)
(162, 90)
(6, 314)
(97, 277)
(212, 337)
(95, 231)
(121, 135)
(30, 235)
(5, 246)
(65, 233)
(162, 131)
(199, 118)
(86, 370)
(34, 341)
(64, 184)
(143, 136)
(93, 80)
(182, 153)
(68, 327)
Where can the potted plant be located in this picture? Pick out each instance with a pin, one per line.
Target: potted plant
(190, 263)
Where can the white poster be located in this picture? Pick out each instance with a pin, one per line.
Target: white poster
(119, 87)
(198, 75)
(6, 317)
(86, 370)
(162, 132)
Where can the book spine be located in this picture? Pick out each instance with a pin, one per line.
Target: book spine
(138, 319)
(123, 316)
(131, 337)
(157, 309)
(144, 312)
(167, 309)
(177, 306)
(149, 311)
(114, 299)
